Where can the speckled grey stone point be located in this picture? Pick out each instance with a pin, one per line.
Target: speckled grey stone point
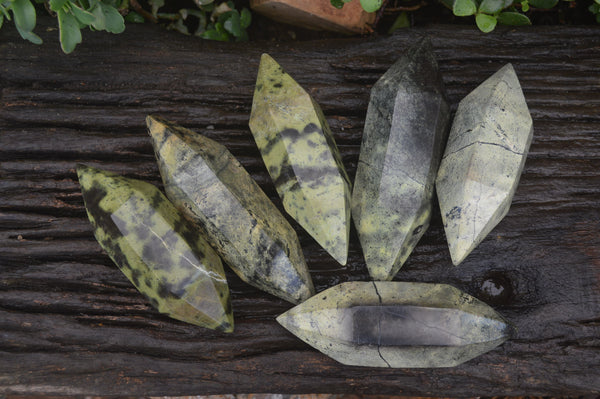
(484, 158)
(207, 184)
(403, 141)
(397, 324)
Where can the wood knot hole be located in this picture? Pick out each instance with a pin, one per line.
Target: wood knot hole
(496, 289)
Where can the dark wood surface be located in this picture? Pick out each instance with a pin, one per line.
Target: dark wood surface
(71, 323)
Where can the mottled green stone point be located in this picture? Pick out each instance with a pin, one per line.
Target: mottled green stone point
(157, 249)
(210, 186)
(484, 158)
(298, 148)
(397, 324)
(403, 141)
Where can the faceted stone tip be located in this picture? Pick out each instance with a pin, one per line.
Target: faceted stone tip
(299, 150)
(397, 324)
(156, 123)
(483, 161)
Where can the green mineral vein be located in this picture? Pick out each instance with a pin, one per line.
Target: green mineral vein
(157, 249)
(485, 155)
(206, 182)
(397, 324)
(299, 151)
(405, 130)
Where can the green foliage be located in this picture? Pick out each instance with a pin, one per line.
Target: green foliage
(464, 8)
(485, 23)
(216, 22)
(595, 9)
(513, 18)
(488, 13)
(401, 22)
(367, 5)
(23, 14)
(72, 15)
(371, 5)
(339, 3)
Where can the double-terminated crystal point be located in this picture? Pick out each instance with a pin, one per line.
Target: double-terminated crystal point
(157, 249)
(484, 158)
(210, 186)
(299, 151)
(405, 131)
(397, 324)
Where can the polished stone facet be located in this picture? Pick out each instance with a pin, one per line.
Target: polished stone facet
(397, 324)
(484, 158)
(403, 140)
(301, 156)
(210, 186)
(157, 249)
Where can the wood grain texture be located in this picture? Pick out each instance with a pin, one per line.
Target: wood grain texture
(72, 324)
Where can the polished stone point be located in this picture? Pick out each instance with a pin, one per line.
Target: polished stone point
(483, 161)
(299, 151)
(397, 324)
(206, 183)
(157, 249)
(405, 131)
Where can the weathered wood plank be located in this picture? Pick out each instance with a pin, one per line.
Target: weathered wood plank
(70, 322)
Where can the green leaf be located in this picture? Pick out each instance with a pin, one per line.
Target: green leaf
(213, 34)
(208, 8)
(232, 24)
(179, 26)
(1, 20)
(70, 35)
(246, 18)
(225, 16)
(464, 8)
(493, 6)
(134, 17)
(513, 18)
(243, 37)
(99, 21)
(24, 13)
(201, 24)
(401, 22)
(156, 4)
(85, 17)
(29, 35)
(113, 19)
(371, 5)
(525, 6)
(56, 5)
(339, 3)
(485, 23)
(5, 12)
(543, 3)
(598, 18)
